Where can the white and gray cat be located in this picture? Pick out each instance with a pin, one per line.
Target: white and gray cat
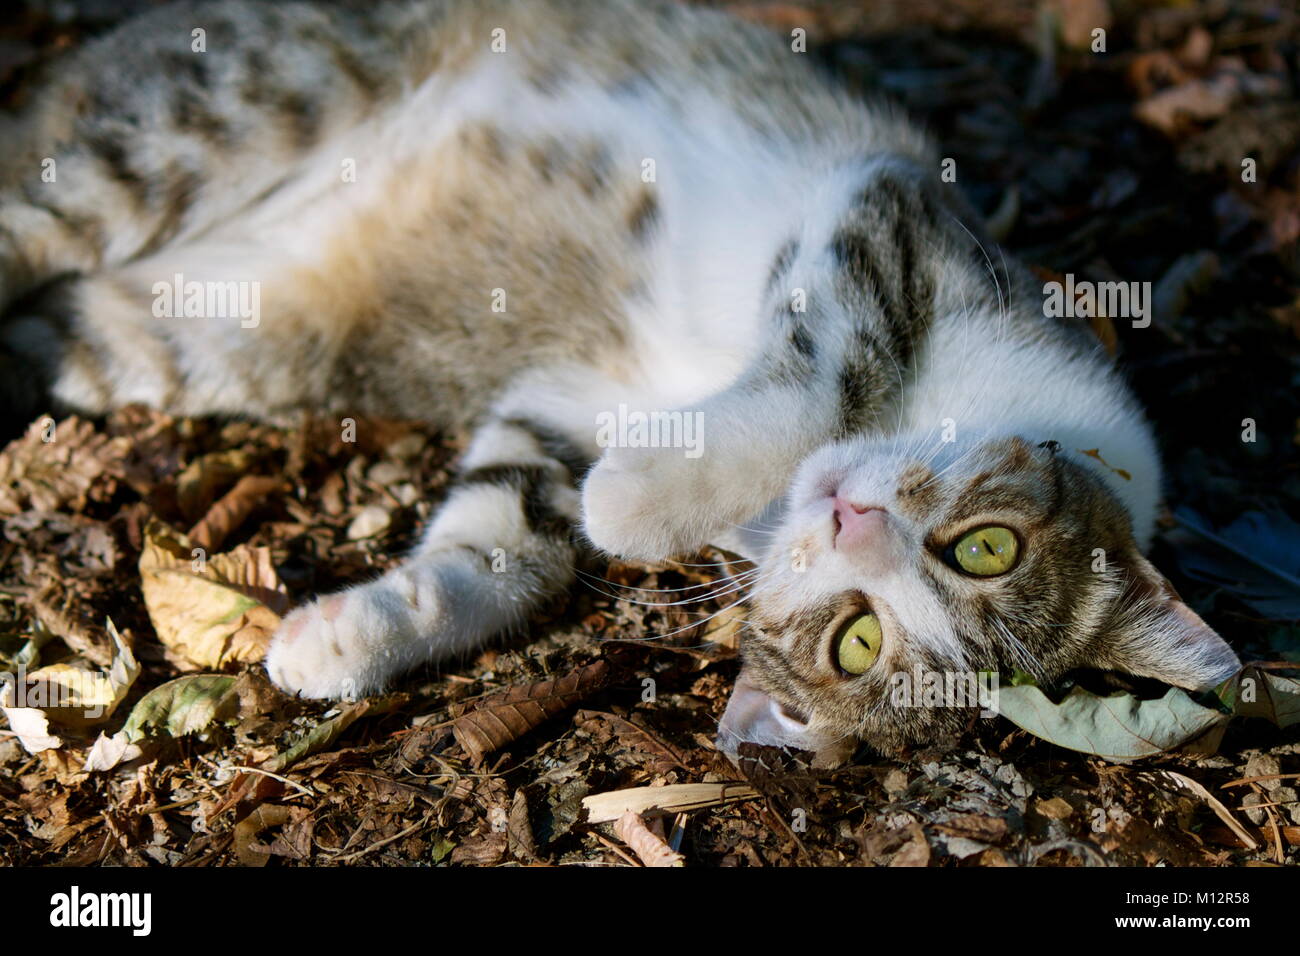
(525, 218)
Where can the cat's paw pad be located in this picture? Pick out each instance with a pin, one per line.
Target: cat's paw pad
(637, 506)
(328, 648)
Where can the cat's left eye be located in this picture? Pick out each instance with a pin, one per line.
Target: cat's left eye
(986, 551)
(858, 645)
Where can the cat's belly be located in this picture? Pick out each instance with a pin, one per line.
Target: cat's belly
(532, 231)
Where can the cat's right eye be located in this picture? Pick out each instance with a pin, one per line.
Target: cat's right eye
(858, 645)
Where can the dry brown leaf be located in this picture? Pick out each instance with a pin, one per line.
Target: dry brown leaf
(229, 512)
(1194, 101)
(644, 842)
(54, 466)
(1180, 107)
(501, 718)
(203, 479)
(262, 818)
(481, 849)
(725, 628)
(519, 830)
(62, 611)
(632, 736)
(210, 610)
(916, 852)
(1078, 18)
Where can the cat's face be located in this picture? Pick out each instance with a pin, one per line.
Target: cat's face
(995, 554)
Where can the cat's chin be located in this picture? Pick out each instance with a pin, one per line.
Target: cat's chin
(754, 716)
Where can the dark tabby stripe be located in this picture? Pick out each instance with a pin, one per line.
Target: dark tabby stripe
(83, 227)
(189, 65)
(555, 446)
(191, 115)
(300, 112)
(865, 379)
(781, 264)
(368, 81)
(532, 482)
(877, 252)
(644, 216)
(793, 361)
(803, 342)
(177, 192)
(596, 169)
(111, 153)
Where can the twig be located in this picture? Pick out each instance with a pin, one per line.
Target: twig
(1272, 823)
(1222, 812)
(382, 843)
(631, 861)
(163, 807)
(275, 776)
(1265, 776)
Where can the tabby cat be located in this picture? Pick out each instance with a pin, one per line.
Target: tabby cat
(532, 219)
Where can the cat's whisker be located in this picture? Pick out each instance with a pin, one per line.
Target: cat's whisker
(728, 586)
(754, 591)
(741, 527)
(632, 587)
(694, 624)
(707, 564)
(1025, 659)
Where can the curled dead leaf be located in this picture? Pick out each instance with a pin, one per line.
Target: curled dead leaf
(67, 695)
(229, 512)
(53, 466)
(262, 818)
(504, 717)
(649, 846)
(203, 479)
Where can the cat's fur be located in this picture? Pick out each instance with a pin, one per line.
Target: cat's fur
(675, 212)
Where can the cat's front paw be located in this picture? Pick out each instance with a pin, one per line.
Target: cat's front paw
(330, 648)
(640, 504)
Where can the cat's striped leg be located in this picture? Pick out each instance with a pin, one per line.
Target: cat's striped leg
(500, 545)
(830, 369)
(654, 503)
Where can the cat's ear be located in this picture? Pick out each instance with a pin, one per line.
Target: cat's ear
(1156, 635)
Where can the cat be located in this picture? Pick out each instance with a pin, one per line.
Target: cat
(531, 219)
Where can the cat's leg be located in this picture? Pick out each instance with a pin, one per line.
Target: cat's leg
(500, 545)
(652, 503)
(175, 121)
(271, 343)
(844, 327)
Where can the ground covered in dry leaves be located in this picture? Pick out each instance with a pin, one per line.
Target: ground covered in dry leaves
(153, 551)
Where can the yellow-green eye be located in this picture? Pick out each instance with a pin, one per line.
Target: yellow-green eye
(987, 551)
(859, 644)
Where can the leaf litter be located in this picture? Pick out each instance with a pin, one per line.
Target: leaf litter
(180, 542)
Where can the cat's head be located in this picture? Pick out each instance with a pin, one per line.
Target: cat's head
(895, 560)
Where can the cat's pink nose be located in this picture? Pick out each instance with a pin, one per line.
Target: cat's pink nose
(857, 526)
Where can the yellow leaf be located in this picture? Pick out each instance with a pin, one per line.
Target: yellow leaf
(211, 610)
(67, 695)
